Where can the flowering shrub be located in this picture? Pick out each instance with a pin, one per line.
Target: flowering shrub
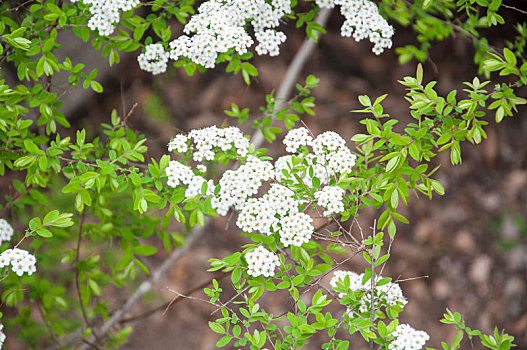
(63, 264)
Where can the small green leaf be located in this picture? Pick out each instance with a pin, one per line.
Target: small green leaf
(44, 232)
(145, 250)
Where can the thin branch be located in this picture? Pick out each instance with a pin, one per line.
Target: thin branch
(173, 301)
(19, 6)
(77, 275)
(231, 299)
(130, 112)
(412, 278)
(46, 323)
(90, 344)
(372, 283)
(514, 9)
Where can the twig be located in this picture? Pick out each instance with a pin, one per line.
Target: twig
(514, 9)
(77, 275)
(284, 90)
(412, 278)
(230, 300)
(45, 320)
(166, 305)
(134, 106)
(77, 271)
(372, 284)
(19, 6)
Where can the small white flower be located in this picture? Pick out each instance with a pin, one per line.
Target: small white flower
(297, 138)
(407, 338)
(6, 231)
(331, 198)
(2, 335)
(21, 261)
(154, 59)
(261, 262)
(178, 143)
(105, 14)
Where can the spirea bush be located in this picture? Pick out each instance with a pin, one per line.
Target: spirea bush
(64, 257)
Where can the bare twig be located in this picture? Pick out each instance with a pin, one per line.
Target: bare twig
(77, 274)
(514, 9)
(46, 323)
(173, 301)
(231, 299)
(372, 284)
(412, 278)
(134, 106)
(19, 6)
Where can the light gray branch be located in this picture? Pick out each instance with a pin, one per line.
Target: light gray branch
(293, 71)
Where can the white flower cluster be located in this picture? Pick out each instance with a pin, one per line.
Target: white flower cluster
(296, 229)
(6, 231)
(106, 13)
(237, 185)
(219, 26)
(407, 338)
(154, 59)
(329, 148)
(178, 144)
(261, 262)
(388, 294)
(330, 198)
(21, 261)
(297, 138)
(277, 211)
(179, 173)
(268, 42)
(211, 140)
(363, 21)
(2, 335)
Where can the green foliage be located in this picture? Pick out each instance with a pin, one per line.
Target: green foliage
(496, 341)
(99, 206)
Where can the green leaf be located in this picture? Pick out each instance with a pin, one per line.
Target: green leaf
(44, 232)
(94, 287)
(95, 86)
(365, 100)
(34, 224)
(392, 164)
(509, 57)
(145, 250)
(216, 328)
(51, 216)
(457, 340)
(224, 341)
(343, 345)
(419, 72)
(32, 148)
